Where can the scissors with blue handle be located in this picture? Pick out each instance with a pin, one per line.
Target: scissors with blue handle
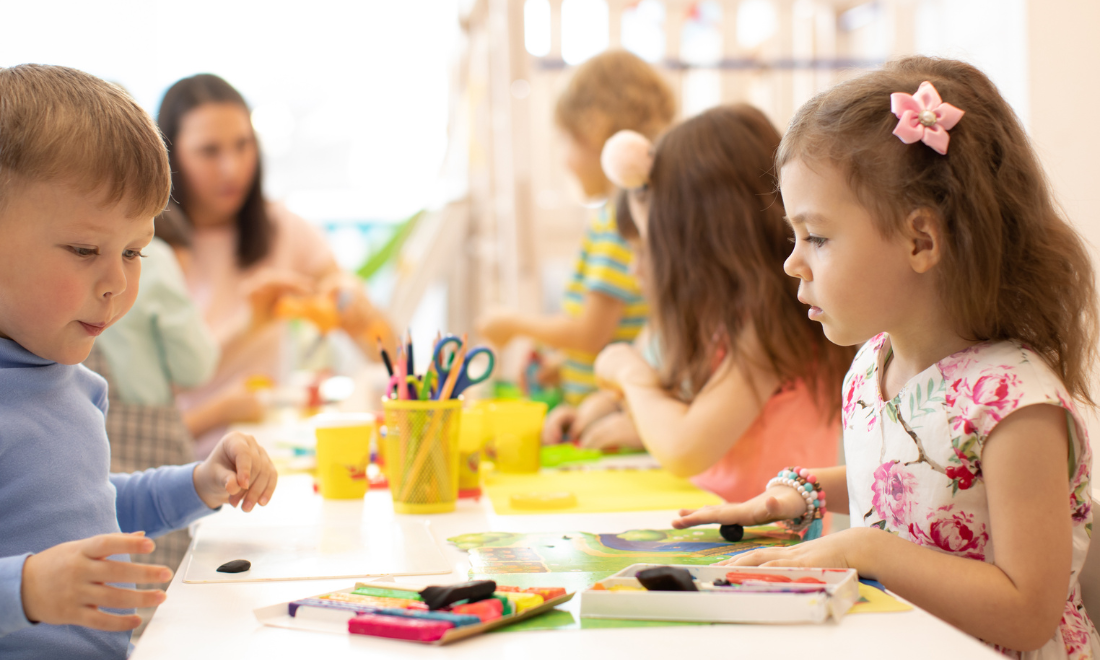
(463, 380)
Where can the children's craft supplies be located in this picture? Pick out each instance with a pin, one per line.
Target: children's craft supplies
(235, 566)
(760, 595)
(486, 610)
(354, 611)
(516, 435)
(343, 454)
(544, 501)
(666, 578)
(437, 597)
(422, 453)
(732, 533)
(455, 375)
(394, 627)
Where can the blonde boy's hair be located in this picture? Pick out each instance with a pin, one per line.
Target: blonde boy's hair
(60, 124)
(612, 92)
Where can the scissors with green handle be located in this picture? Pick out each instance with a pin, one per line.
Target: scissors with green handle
(463, 379)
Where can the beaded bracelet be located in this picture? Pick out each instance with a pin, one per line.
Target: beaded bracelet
(807, 486)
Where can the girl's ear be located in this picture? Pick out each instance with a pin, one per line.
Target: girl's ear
(923, 231)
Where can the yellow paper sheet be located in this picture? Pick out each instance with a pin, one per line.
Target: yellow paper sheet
(876, 600)
(599, 491)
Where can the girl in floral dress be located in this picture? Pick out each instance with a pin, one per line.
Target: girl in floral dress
(925, 227)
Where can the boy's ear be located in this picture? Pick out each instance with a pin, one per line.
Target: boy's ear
(923, 231)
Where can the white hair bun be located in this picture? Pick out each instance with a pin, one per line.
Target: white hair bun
(626, 159)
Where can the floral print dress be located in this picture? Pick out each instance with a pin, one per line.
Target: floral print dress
(915, 461)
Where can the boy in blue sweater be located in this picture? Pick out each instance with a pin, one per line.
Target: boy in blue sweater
(83, 171)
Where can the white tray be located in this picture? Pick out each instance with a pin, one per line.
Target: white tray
(841, 593)
(314, 552)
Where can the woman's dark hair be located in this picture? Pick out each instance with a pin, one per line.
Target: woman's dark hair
(254, 229)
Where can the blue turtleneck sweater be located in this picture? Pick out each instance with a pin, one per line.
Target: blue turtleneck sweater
(56, 486)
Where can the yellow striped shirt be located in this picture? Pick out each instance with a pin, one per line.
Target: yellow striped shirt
(602, 266)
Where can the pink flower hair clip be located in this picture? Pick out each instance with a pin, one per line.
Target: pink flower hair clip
(924, 116)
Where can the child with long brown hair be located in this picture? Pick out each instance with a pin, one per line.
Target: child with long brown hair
(926, 228)
(746, 382)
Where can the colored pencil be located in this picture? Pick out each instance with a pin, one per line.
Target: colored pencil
(385, 356)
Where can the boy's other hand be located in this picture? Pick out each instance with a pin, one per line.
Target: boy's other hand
(238, 471)
(68, 583)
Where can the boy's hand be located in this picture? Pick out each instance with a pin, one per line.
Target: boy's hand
(558, 423)
(776, 503)
(238, 469)
(68, 583)
(620, 364)
(498, 327)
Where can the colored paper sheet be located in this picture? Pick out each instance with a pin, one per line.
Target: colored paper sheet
(874, 600)
(577, 560)
(599, 491)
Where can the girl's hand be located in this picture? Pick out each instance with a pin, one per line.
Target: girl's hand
(558, 423)
(616, 430)
(498, 327)
(238, 469)
(776, 503)
(840, 550)
(619, 365)
(595, 407)
(68, 583)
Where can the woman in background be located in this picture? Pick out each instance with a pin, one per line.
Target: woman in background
(247, 253)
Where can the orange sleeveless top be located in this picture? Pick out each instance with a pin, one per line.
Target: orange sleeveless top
(790, 430)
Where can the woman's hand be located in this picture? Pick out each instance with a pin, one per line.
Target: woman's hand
(619, 365)
(840, 550)
(614, 431)
(776, 503)
(358, 316)
(268, 287)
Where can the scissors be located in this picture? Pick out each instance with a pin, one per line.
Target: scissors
(463, 380)
(395, 381)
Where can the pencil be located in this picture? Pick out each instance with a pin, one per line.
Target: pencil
(385, 356)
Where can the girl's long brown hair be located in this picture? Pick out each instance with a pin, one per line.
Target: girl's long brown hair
(715, 250)
(1013, 267)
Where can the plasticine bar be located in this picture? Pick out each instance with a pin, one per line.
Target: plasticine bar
(398, 627)
(327, 610)
(457, 619)
(523, 601)
(387, 593)
(486, 610)
(375, 602)
(506, 606)
(547, 593)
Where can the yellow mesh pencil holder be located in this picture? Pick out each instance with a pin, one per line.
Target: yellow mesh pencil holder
(422, 454)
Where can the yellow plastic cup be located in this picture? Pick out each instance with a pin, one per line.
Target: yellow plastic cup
(471, 438)
(343, 453)
(516, 434)
(422, 454)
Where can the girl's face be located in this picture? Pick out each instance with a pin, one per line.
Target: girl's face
(855, 280)
(217, 154)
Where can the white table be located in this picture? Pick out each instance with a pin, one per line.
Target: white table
(216, 620)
